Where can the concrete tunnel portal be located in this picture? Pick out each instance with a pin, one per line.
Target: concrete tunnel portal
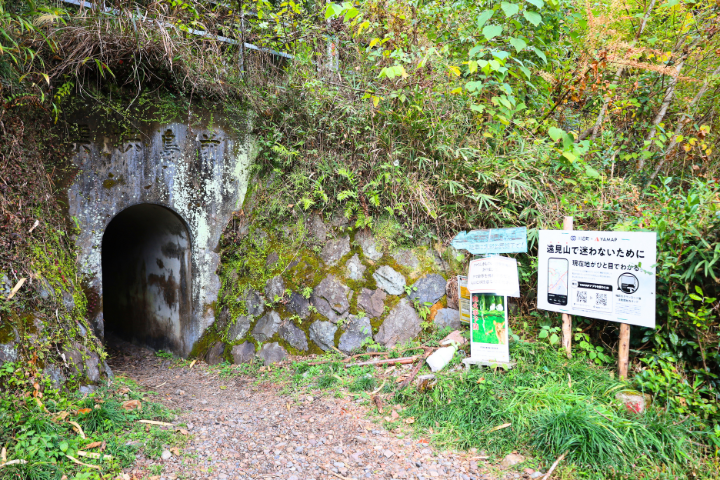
(146, 277)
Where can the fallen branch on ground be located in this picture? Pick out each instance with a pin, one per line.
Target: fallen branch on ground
(402, 361)
(153, 422)
(417, 368)
(554, 466)
(81, 463)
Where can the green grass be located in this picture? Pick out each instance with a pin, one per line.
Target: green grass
(553, 405)
(40, 432)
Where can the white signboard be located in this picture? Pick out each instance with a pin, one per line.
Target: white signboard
(604, 275)
(498, 275)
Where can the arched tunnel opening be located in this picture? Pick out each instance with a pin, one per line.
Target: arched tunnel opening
(146, 277)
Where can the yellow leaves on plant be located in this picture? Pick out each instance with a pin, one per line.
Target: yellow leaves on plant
(454, 70)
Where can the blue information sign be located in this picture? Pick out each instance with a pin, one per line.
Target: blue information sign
(495, 240)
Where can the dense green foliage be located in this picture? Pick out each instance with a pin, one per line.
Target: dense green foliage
(44, 431)
(439, 116)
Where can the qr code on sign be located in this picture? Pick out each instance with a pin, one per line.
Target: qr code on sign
(581, 297)
(601, 299)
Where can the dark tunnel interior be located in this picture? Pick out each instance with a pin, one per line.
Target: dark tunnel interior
(146, 277)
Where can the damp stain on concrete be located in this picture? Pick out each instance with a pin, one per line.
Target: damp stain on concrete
(200, 174)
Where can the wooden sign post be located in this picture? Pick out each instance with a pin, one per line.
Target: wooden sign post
(624, 351)
(567, 319)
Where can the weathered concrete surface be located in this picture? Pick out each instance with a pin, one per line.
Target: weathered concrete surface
(200, 172)
(146, 277)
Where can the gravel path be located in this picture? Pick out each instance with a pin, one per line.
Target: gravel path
(247, 431)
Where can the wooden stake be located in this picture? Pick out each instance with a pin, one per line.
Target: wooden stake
(624, 351)
(567, 319)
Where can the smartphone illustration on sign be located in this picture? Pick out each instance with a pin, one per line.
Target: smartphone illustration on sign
(558, 281)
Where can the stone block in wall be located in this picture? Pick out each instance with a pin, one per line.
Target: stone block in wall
(254, 302)
(74, 358)
(298, 305)
(317, 228)
(372, 302)
(266, 326)
(92, 367)
(272, 259)
(243, 353)
(406, 258)
(275, 287)
(293, 335)
(323, 334)
(272, 353)
(339, 220)
(357, 330)
(369, 246)
(55, 374)
(239, 329)
(354, 269)
(8, 352)
(331, 298)
(334, 250)
(390, 280)
(447, 317)
(402, 324)
(428, 289)
(214, 355)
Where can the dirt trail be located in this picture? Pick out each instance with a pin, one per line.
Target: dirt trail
(252, 432)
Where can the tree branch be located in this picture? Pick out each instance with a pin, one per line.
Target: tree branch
(681, 124)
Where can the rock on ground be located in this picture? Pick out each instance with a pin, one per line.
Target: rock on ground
(447, 317)
(372, 302)
(429, 289)
(512, 459)
(239, 329)
(369, 246)
(323, 334)
(266, 326)
(272, 353)
(358, 329)
(293, 335)
(243, 353)
(402, 324)
(334, 250)
(389, 280)
(354, 269)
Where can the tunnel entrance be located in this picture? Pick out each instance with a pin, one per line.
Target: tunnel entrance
(146, 277)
